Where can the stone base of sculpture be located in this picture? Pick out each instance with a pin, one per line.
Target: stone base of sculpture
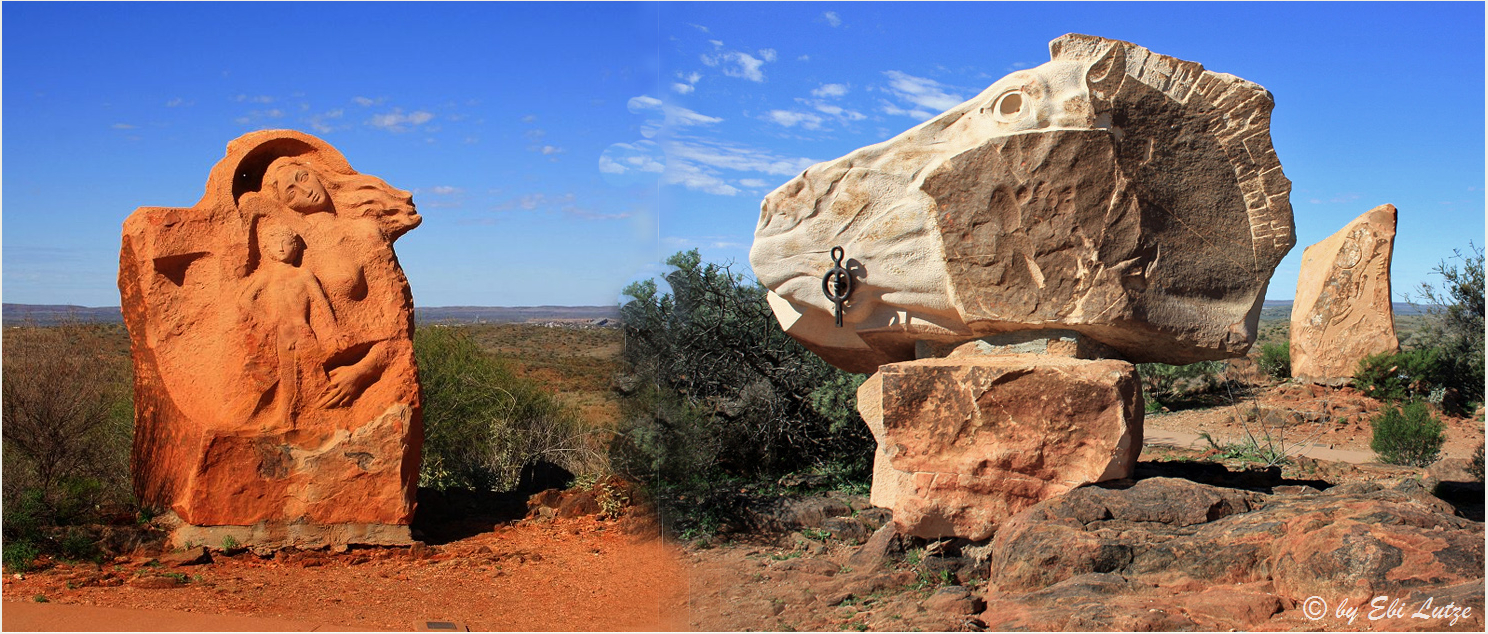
(968, 440)
(276, 535)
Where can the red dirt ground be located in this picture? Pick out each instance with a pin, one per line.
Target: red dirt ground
(579, 574)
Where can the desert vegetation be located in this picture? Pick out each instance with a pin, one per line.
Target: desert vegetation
(483, 424)
(67, 433)
(717, 397)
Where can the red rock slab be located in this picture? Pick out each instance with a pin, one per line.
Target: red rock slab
(965, 443)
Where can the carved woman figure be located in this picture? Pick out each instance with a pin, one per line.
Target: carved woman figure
(348, 223)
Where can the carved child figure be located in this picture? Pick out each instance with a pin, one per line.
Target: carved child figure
(292, 300)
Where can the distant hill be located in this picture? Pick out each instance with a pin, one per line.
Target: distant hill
(1282, 309)
(509, 314)
(53, 314)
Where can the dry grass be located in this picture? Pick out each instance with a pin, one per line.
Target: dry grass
(576, 364)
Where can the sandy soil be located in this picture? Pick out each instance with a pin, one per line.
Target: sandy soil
(576, 575)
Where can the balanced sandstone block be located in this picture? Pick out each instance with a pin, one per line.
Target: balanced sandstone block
(276, 397)
(966, 442)
(1129, 196)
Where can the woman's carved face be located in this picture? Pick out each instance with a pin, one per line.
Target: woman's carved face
(300, 189)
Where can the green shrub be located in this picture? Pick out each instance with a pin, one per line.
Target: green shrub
(19, 555)
(1168, 384)
(1402, 376)
(717, 398)
(483, 424)
(68, 427)
(1476, 466)
(1410, 437)
(1455, 324)
(1276, 360)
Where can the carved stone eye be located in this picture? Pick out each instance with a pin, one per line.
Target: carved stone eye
(1008, 107)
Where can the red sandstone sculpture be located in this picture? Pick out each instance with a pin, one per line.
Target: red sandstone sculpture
(276, 397)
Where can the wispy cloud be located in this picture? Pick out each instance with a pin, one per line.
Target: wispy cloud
(624, 158)
(398, 121)
(365, 102)
(124, 126)
(257, 116)
(255, 98)
(832, 19)
(699, 27)
(791, 118)
(671, 116)
(325, 122)
(179, 103)
(739, 64)
(549, 150)
(565, 204)
(754, 182)
(830, 90)
(688, 83)
(445, 190)
(925, 96)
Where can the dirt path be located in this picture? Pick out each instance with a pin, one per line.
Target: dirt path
(1318, 422)
(573, 575)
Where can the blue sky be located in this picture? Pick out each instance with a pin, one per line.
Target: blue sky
(559, 151)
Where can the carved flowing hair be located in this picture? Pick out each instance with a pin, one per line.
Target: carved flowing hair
(354, 195)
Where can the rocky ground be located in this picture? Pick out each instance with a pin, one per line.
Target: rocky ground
(1184, 545)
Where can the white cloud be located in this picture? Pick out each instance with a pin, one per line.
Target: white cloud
(724, 155)
(178, 102)
(790, 118)
(362, 101)
(928, 94)
(398, 121)
(699, 27)
(549, 150)
(688, 83)
(716, 43)
(696, 178)
(804, 58)
(531, 118)
(840, 112)
(830, 90)
(753, 182)
(256, 98)
(672, 116)
(641, 156)
(322, 122)
(892, 109)
(737, 64)
(445, 190)
(832, 19)
(768, 54)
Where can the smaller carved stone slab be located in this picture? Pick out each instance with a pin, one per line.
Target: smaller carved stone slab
(1342, 312)
(964, 443)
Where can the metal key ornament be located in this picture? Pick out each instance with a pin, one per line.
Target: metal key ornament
(837, 283)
